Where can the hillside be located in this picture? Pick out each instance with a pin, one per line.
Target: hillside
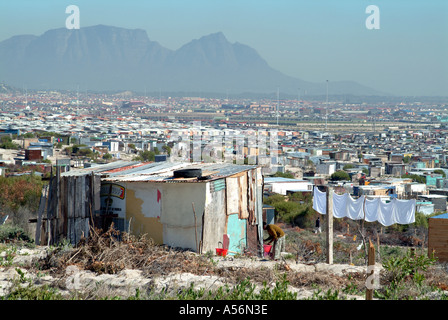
(136, 268)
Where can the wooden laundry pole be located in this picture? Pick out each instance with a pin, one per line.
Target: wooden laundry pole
(371, 264)
(329, 225)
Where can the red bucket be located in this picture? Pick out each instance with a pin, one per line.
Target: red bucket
(267, 248)
(221, 252)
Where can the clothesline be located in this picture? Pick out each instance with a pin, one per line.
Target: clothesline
(387, 214)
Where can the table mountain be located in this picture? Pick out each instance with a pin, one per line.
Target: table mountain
(100, 58)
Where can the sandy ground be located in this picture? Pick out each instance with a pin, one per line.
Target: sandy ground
(126, 281)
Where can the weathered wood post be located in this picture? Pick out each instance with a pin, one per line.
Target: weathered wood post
(370, 271)
(329, 225)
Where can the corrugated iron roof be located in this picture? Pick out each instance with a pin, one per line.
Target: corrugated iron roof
(158, 171)
(99, 168)
(163, 172)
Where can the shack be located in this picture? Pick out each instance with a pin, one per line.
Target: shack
(438, 237)
(194, 206)
(187, 205)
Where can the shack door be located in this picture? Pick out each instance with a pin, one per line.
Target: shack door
(236, 229)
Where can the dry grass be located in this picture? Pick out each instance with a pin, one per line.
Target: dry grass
(111, 252)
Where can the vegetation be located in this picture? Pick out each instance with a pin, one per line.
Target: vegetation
(245, 290)
(340, 176)
(440, 171)
(7, 143)
(296, 209)
(289, 175)
(24, 289)
(13, 233)
(146, 156)
(107, 156)
(404, 275)
(415, 178)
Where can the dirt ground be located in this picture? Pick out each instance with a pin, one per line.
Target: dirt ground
(169, 272)
(103, 267)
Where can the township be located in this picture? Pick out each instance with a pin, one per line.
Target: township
(128, 147)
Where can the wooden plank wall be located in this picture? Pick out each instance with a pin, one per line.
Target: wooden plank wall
(67, 208)
(438, 238)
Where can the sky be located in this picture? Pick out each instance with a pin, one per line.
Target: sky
(314, 40)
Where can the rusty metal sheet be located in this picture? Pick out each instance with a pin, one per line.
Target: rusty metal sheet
(232, 195)
(242, 192)
(251, 196)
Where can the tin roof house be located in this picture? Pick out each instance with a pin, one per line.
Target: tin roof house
(195, 206)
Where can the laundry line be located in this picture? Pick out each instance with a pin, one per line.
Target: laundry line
(344, 206)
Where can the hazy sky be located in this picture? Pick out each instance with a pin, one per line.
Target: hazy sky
(314, 40)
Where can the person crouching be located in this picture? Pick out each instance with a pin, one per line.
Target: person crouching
(276, 235)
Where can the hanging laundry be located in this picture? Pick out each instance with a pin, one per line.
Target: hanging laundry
(371, 209)
(395, 211)
(405, 211)
(345, 206)
(319, 201)
(387, 214)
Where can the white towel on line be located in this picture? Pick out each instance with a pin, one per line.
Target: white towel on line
(319, 201)
(395, 211)
(345, 206)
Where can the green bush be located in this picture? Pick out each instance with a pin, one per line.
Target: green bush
(404, 272)
(9, 232)
(340, 175)
(298, 210)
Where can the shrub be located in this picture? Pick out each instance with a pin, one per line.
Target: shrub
(9, 233)
(402, 272)
(340, 175)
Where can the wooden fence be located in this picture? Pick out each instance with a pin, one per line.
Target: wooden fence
(67, 208)
(438, 238)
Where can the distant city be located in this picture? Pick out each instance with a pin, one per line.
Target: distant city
(297, 139)
(382, 139)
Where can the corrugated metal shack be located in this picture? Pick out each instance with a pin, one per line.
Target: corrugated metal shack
(191, 212)
(164, 201)
(68, 204)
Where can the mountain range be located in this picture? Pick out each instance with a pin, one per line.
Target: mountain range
(107, 58)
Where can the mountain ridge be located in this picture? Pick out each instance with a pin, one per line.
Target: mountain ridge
(113, 58)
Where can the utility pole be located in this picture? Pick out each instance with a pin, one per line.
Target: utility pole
(326, 110)
(277, 104)
(329, 226)
(371, 270)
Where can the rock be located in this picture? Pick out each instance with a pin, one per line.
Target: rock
(26, 258)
